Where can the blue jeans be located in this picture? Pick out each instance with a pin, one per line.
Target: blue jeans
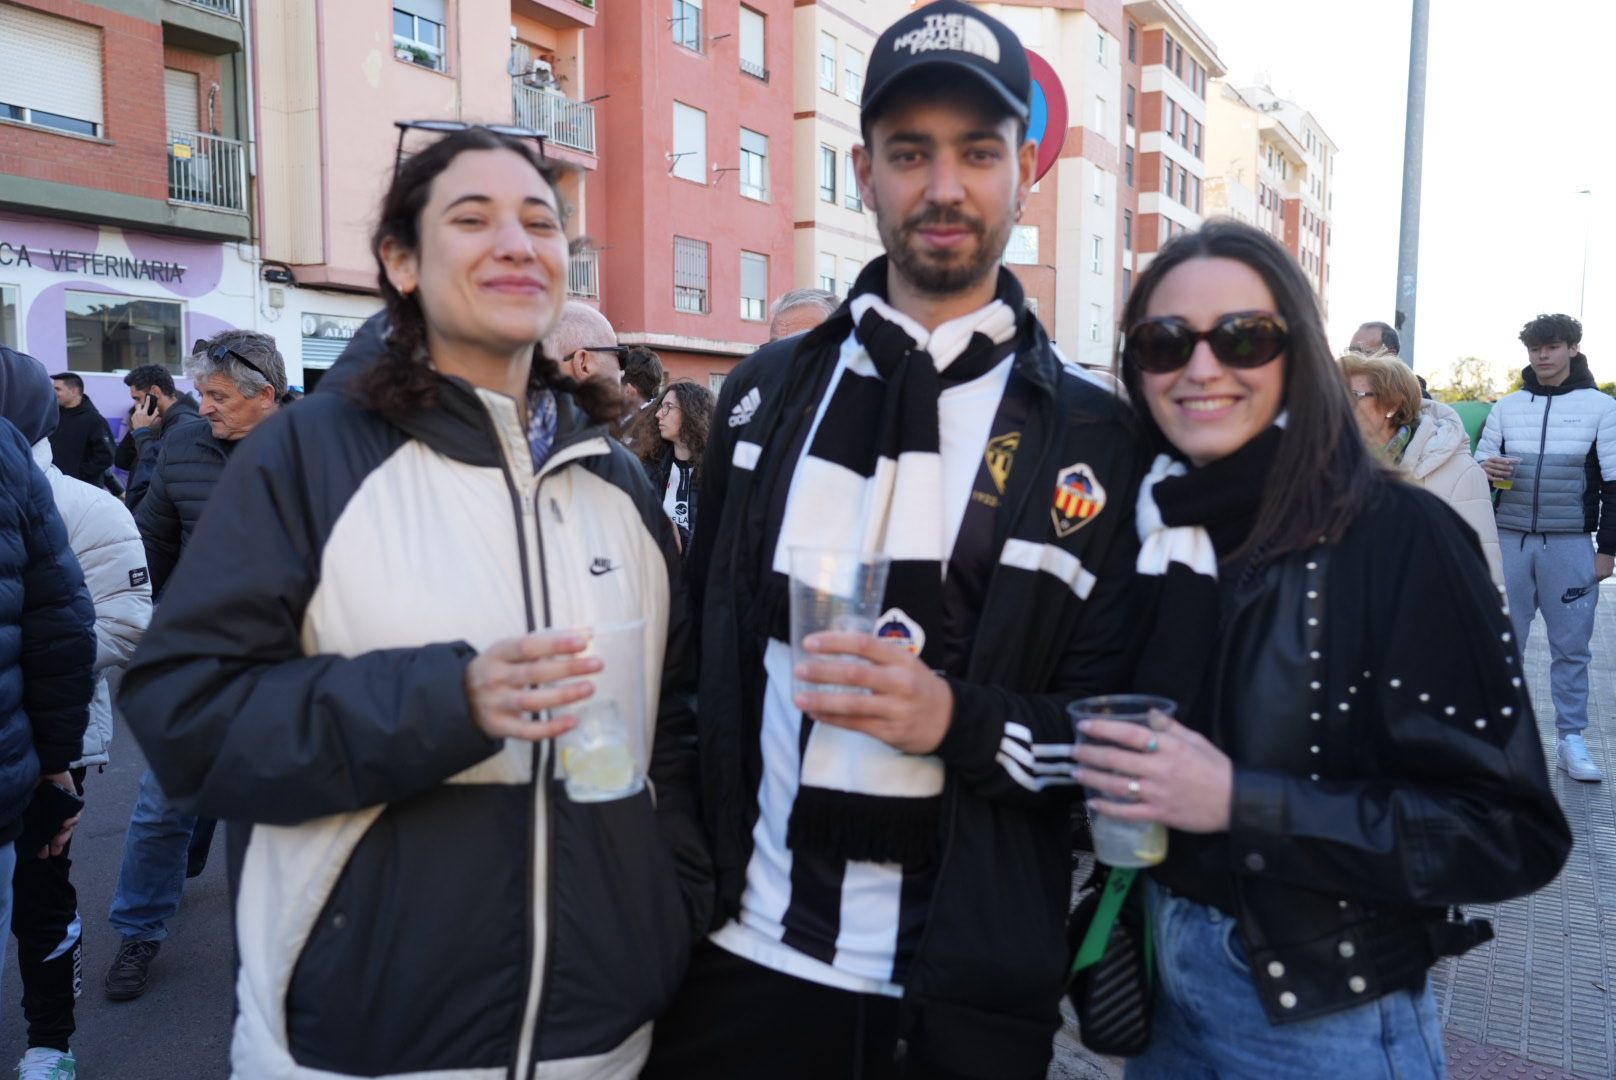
(8, 867)
(153, 873)
(1210, 1025)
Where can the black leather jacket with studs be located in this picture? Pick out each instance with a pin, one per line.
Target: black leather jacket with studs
(1387, 766)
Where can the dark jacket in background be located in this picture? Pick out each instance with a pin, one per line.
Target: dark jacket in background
(146, 445)
(47, 634)
(189, 465)
(81, 445)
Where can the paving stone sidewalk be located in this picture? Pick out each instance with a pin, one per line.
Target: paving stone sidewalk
(1535, 1003)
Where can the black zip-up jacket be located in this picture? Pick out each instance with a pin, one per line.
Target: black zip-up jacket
(81, 445)
(188, 468)
(1056, 624)
(414, 898)
(1386, 761)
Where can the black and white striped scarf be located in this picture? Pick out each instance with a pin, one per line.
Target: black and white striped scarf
(1190, 521)
(871, 480)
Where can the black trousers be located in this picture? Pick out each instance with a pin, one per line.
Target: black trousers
(736, 1020)
(45, 922)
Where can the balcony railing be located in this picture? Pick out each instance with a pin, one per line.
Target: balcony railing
(754, 69)
(583, 275)
(228, 8)
(566, 122)
(207, 170)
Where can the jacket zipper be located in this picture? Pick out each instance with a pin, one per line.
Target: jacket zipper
(1542, 444)
(527, 1062)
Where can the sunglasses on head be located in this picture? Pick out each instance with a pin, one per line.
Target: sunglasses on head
(447, 127)
(1241, 339)
(219, 353)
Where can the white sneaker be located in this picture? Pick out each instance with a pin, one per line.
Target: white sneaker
(1575, 760)
(43, 1063)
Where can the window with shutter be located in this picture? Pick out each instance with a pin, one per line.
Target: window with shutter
(180, 93)
(689, 143)
(753, 55)
(690, 279)
(50, 71)
(754, 286)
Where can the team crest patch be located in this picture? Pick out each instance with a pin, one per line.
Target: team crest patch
(899, 629)
(1000, 455)
(1079, 498)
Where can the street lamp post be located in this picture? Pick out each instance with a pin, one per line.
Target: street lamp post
(1582, 293)
(1408, 240)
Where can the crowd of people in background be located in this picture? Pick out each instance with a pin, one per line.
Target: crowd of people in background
(1297, 548)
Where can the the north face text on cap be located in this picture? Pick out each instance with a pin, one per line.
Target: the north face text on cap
(957, 33)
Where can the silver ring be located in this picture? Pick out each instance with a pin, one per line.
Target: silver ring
(1133, 787)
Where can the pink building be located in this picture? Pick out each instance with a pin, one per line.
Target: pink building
(692, 201)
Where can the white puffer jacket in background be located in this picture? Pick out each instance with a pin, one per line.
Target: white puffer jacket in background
(103, 536)
(1438, 459)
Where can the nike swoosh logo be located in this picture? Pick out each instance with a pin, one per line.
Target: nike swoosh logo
(1572, 595)
(601, 566)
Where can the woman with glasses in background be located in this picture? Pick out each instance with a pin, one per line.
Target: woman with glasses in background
(1424, 441)
(384, 625)
(672, 455)
(1354, 751)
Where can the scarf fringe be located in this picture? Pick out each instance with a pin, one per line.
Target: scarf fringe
(845, 825)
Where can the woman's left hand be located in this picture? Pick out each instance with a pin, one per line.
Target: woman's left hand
(1184, 782)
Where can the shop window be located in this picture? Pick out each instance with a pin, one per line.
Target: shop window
(106, 332)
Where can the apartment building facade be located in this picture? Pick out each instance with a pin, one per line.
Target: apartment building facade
(1275, 168)
(1131, 170)
(125, 193)
(694, 211)
(835, 233)
(333, 78)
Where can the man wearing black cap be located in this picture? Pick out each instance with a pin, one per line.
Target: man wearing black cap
(893, 863)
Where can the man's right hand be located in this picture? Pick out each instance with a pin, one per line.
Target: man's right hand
(508, 682)
(1498, 468)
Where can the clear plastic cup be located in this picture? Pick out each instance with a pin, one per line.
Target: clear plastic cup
(605, 757)
(1509, 484)
(597, 757)
(1122, 843)
(833, 590)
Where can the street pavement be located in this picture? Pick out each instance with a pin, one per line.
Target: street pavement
(1535, 1003)
(180, 1029)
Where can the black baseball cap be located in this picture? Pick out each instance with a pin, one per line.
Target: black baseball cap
(953, 35)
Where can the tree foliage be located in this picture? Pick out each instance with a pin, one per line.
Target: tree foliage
(1469, 379)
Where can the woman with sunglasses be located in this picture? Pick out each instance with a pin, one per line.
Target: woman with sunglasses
(672, 454)
(1354, 752)
(388, 608)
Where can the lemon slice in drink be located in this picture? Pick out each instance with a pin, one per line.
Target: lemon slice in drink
(1152, 846)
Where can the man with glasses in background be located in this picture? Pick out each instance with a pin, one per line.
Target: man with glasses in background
(585, 345)
(240, 378)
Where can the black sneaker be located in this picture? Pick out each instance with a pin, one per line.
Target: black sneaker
(131, 970)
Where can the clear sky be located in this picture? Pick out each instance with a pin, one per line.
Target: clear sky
(1518, 119)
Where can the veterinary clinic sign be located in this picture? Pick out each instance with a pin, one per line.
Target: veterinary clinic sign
(92, 263)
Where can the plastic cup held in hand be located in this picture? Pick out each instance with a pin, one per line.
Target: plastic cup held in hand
(833, 590)
(604, 757)
(1122, 843)
(1509, 483)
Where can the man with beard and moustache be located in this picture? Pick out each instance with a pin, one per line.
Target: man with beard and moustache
(1550, 449)
(893, 864)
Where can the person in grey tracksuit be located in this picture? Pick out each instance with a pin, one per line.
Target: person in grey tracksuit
(1555, 440)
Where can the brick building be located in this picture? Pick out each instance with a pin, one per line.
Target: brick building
(124, 186)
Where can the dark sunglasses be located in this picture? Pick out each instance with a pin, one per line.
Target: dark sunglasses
(446, 127)
(1242, 339)
(219, 353)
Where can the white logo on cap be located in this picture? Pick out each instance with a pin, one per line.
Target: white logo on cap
(956, 33)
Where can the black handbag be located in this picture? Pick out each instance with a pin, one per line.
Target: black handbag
(1113, 970)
